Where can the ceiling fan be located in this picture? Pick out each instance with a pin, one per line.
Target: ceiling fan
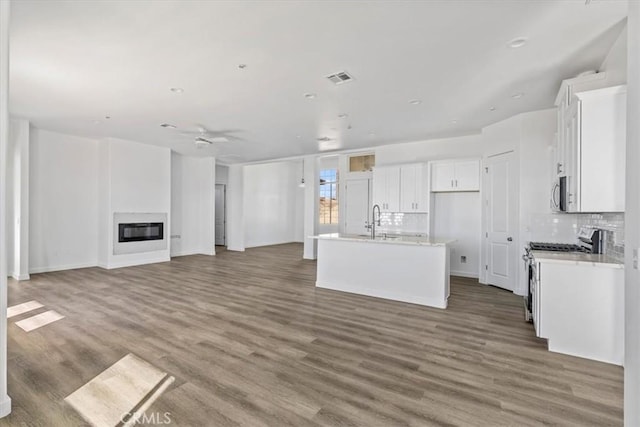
(204, 137)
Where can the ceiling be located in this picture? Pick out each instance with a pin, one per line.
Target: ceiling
(73, 63)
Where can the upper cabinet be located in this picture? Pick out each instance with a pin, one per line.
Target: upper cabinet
(414, 189)
(386, 188)
(591, 149)
(455, 175)
(401, 188)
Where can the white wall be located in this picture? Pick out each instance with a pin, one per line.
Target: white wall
(457, 216)
(632, 226)
(615, 64)
(235, 209)
(222, 174)
(138, 181)
(18, 200)
(5, 400)
(192, 205)
(271, 203)
(63, 198)
(423, 151)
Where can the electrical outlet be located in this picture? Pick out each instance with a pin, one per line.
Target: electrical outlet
(463, 259)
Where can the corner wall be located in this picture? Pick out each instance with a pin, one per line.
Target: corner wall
(63, 199)
(192, 205)
(632, 226)
(138, 180)
(271, 203)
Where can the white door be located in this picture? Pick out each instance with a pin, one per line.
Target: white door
(357, 197)
(220, 215)
(501, 217)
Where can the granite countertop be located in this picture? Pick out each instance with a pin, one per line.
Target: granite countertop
(595, 260)
(389, 239)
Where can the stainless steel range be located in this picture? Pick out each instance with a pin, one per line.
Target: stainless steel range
(590, 241)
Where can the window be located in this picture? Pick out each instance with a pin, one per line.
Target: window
(329, 196)
(362, 163)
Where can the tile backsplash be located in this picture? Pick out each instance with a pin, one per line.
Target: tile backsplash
(403, 223)
(563, 228)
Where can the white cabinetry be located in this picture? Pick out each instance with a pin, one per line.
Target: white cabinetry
(386, 188)
(414, 188)
(455, 175)
(579, 308)
(590, 150)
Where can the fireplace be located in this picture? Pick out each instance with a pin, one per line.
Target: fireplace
(140, 231)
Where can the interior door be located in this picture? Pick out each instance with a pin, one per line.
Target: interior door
(220, 215)
(501, 217)
(357, 202)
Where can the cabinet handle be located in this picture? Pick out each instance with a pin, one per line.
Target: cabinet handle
(456, 183)
(416, 205)
(452, 183)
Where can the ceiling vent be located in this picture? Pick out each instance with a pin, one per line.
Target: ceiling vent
(340, 77)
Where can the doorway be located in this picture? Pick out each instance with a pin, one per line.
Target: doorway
(357, 206)
(221, 212)
(501, 213)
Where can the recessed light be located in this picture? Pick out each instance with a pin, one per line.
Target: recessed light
(517, 95)
(177, 90)
(343, 116)
(372, 133)
(454, 121)
(415, 102)
(242, 66)
(167, 125)
(492, 108)
(517, 42)
(298, 136)
(310, 95)
(107, 117)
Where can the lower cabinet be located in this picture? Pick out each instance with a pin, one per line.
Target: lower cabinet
(581, 309)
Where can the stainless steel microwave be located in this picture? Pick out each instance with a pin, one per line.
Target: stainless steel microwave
(559, 195)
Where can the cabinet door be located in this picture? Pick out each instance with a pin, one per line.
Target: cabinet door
(393, 189)
(408, 191)
(386, 188)
(380, 187)
(572, 156)
(442, 176)
(422, 188)
(467, 175)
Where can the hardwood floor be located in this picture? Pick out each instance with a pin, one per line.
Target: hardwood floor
(252, 342)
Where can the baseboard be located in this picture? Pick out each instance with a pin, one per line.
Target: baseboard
(36, 270)
(179, 254)
(134, 263)
(21, 276)
(5, 406)
(238, 249)
(464, 274)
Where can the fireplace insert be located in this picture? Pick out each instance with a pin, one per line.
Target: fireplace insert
(140, 231)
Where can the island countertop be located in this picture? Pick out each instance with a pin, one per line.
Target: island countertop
(387, 239)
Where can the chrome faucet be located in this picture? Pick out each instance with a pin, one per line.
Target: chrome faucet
(373, 222)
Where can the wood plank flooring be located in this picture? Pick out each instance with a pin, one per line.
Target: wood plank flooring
(252, 342)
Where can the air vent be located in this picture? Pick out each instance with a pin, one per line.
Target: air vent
(340, 77)
(324, 139)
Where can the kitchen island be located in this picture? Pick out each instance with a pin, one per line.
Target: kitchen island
(402, 268)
